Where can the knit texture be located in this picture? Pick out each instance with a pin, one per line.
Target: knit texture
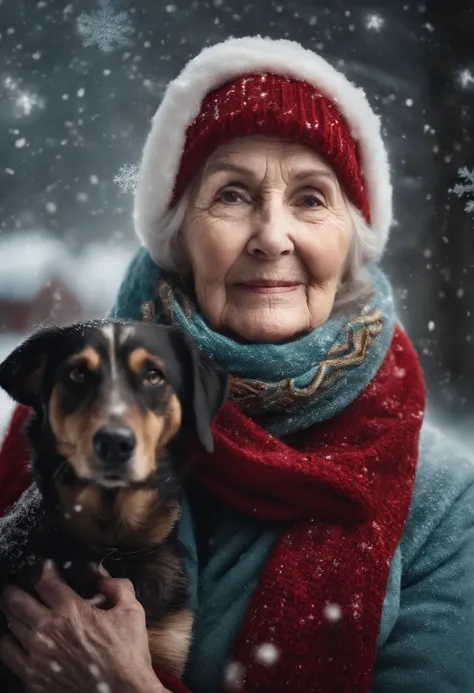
(275, 107)
(344, 489)
(286, 387)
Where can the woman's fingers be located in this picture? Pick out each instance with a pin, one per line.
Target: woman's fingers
(20, 605)
(52, 589)
(13, 656)
(117, 590)
(22, 633)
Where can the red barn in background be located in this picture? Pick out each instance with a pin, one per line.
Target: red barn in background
(36, 284)
(53, 303)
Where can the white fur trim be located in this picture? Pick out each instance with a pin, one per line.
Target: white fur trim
(222, 63)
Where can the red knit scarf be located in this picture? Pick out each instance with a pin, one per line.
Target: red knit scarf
(346, 487)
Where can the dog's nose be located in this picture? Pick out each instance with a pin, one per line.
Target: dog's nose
(114, 444)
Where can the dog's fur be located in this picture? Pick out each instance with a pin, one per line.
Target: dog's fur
(81, 510)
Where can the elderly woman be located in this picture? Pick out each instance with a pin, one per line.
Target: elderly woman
(330, 537)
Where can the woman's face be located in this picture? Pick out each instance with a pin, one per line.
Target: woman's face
(267, 234)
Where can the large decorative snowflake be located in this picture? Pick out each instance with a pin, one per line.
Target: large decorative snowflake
(104, 28)
(466, 188)
(127, 178)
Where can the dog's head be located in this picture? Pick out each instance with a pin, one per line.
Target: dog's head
(112, 395)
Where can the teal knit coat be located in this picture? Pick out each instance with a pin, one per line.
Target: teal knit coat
(426, 637)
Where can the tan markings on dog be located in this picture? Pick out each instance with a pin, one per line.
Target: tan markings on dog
(173, 420)
(138, 359)
(74, 432)
(148, 429)
(153, 432)
(170, 640)
(89, 357)
(134, 508)
(136, 514)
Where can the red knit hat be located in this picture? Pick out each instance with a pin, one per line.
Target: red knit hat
(273, 106)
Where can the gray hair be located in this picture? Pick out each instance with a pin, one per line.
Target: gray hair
(355, 288)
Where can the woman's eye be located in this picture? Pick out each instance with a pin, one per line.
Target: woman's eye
(231, 197)
(310, 201)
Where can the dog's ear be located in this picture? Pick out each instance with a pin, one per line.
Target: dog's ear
(207, 383)
(21, 374)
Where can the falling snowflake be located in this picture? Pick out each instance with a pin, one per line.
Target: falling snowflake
(10, 83)
(24, 102)
(332, 612)
(465, 77)
(266, 654)
(234, 675)
(466, 188)
(103, 687)
(127, 178)
(104, 28)
(374, 21)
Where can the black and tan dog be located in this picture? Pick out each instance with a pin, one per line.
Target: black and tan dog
(116, 407)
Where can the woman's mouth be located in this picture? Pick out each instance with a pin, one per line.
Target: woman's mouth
(262, 286)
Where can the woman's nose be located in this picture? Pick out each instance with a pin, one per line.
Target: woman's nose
(271, 234)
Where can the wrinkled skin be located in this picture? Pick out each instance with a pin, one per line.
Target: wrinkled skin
(263, 208)
(69, 646)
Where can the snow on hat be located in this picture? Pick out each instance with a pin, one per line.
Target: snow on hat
(258, 85)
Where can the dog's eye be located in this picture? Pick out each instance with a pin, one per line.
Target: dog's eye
(77, 374)
(153, 377)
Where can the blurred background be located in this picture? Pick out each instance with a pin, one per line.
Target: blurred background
(80, 81)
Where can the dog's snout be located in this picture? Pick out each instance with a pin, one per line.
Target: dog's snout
(114, 444)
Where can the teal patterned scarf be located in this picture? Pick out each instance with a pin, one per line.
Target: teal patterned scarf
(286, 387)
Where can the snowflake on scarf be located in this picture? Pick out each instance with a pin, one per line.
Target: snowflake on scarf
(466, 188)
(104, 28)
(127, 178)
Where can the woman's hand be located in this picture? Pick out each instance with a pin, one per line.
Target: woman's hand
(70, 646)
